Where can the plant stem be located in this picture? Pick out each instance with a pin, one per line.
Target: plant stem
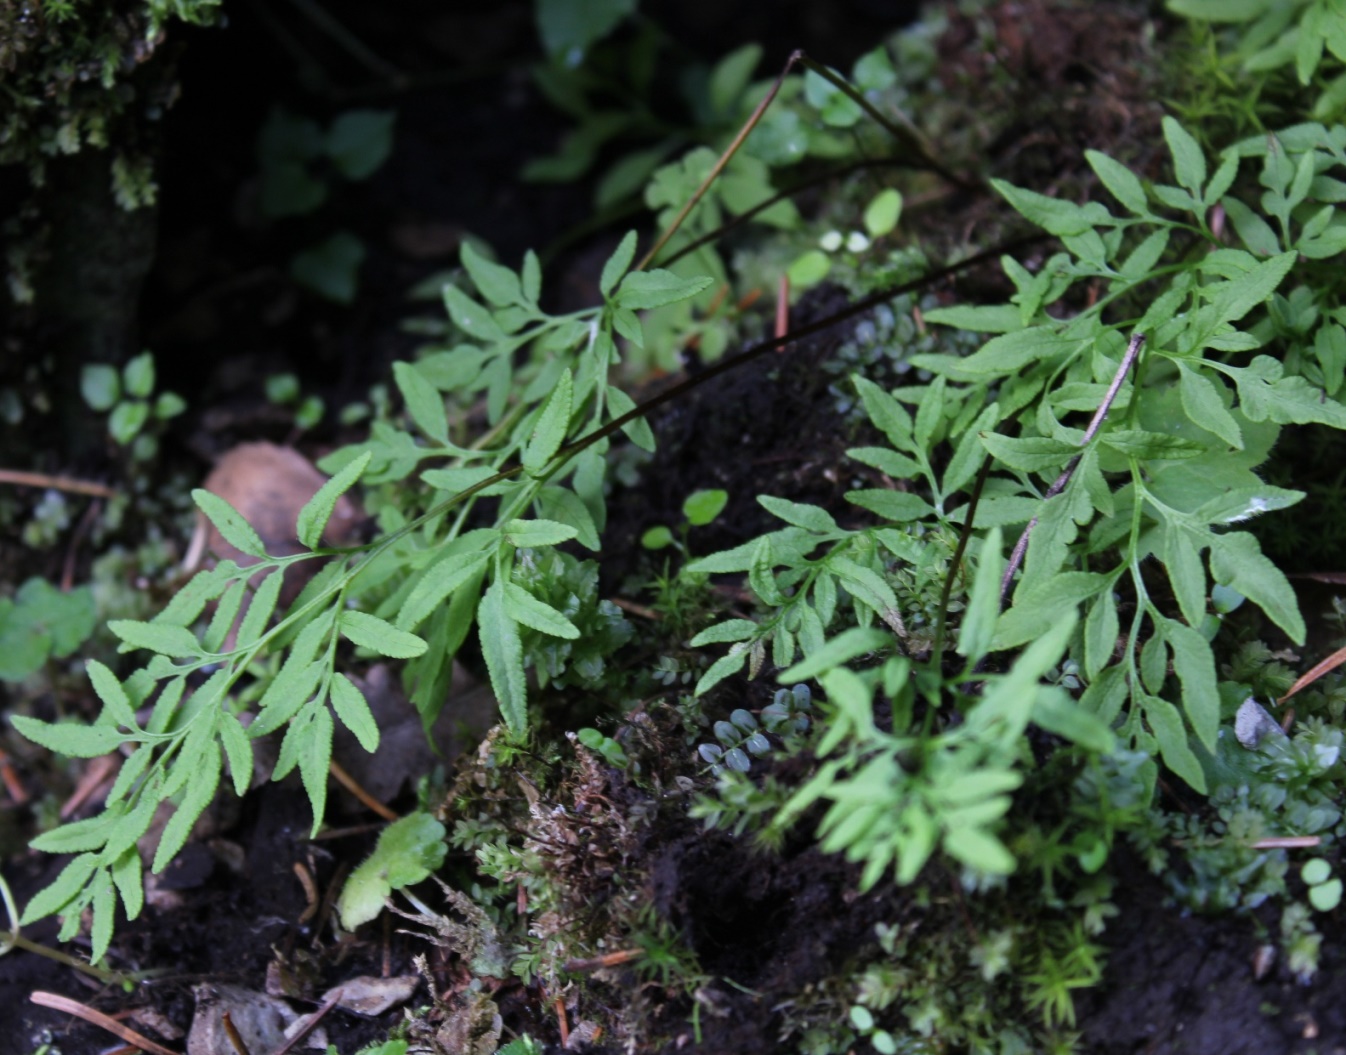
(722, 161)
(1100, 415)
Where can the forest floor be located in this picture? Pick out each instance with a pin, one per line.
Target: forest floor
(247, 901)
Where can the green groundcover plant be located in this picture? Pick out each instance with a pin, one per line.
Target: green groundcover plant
(1115, 435)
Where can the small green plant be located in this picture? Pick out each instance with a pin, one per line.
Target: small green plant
(611, 751)
(699, 509)
(429, 569)
(298, 159)
(39, 622)
(283, 390)
(1324, 888)
(408, 851)
(135, 420)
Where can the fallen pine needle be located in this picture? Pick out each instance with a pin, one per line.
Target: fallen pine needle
(102, 1021)
(1287, 842)
(1331, 663)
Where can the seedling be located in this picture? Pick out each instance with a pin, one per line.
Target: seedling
(126, 393)
(699, 509)
(1324, 889)
(408, 851)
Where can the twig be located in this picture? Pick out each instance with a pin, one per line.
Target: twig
(1100, 415)
(1287, 842)
(719, 165)
(310, 892)
(352, 785)
(612, 959)
(905, 132)
(1331, 663)
(56, 483)
(97, 1018)
(782, 310)
(235, 1037)
(309, 1024)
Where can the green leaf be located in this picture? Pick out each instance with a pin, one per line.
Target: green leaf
(205, 778)
(811, 517)
(315, 760)
(638, 429)
(1194, 663)
(1028, 453)
(67, 738)
(233, 528)
(568, 27)
(565, 507)
(138, 376)
(886, 460)
(1266, 395)
(654, 289)
(378, 635)
(883, 212)
(1054, 215)
(1201, 400)
(503, 651)
(885, 412)
(1244, 503)
(1183, 564)
(360, 141)
(1009, 353)
(869, 588)
(127, 420)
(532, 533)
(424, 403)
(90, 834)
(1056, 712)
(112, 694)
(260, 609)
(471, 317)
(353, 710)
(617, 264)
(1166, 724)
(126, 874)
(1152, 446)
(157, 637)
(101, 386)
(983, 604)
(978, 849)
(531, 276)
(702, 507)
(62, 890)
(730, 77)
(1189, 161)
(895, 506)
(408, 851)
(722, 668)
(1100, 633)
(1236, 561)
(1038, 609)
(331, 268)
(313, 518)
(809, 269)
(523, 607)
(980, 318)
(1254, 231)
(723, 633)
(552, 425)
(238, 750)
(1120, 181)
(499, 285)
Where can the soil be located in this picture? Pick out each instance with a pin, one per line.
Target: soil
(222, 314)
